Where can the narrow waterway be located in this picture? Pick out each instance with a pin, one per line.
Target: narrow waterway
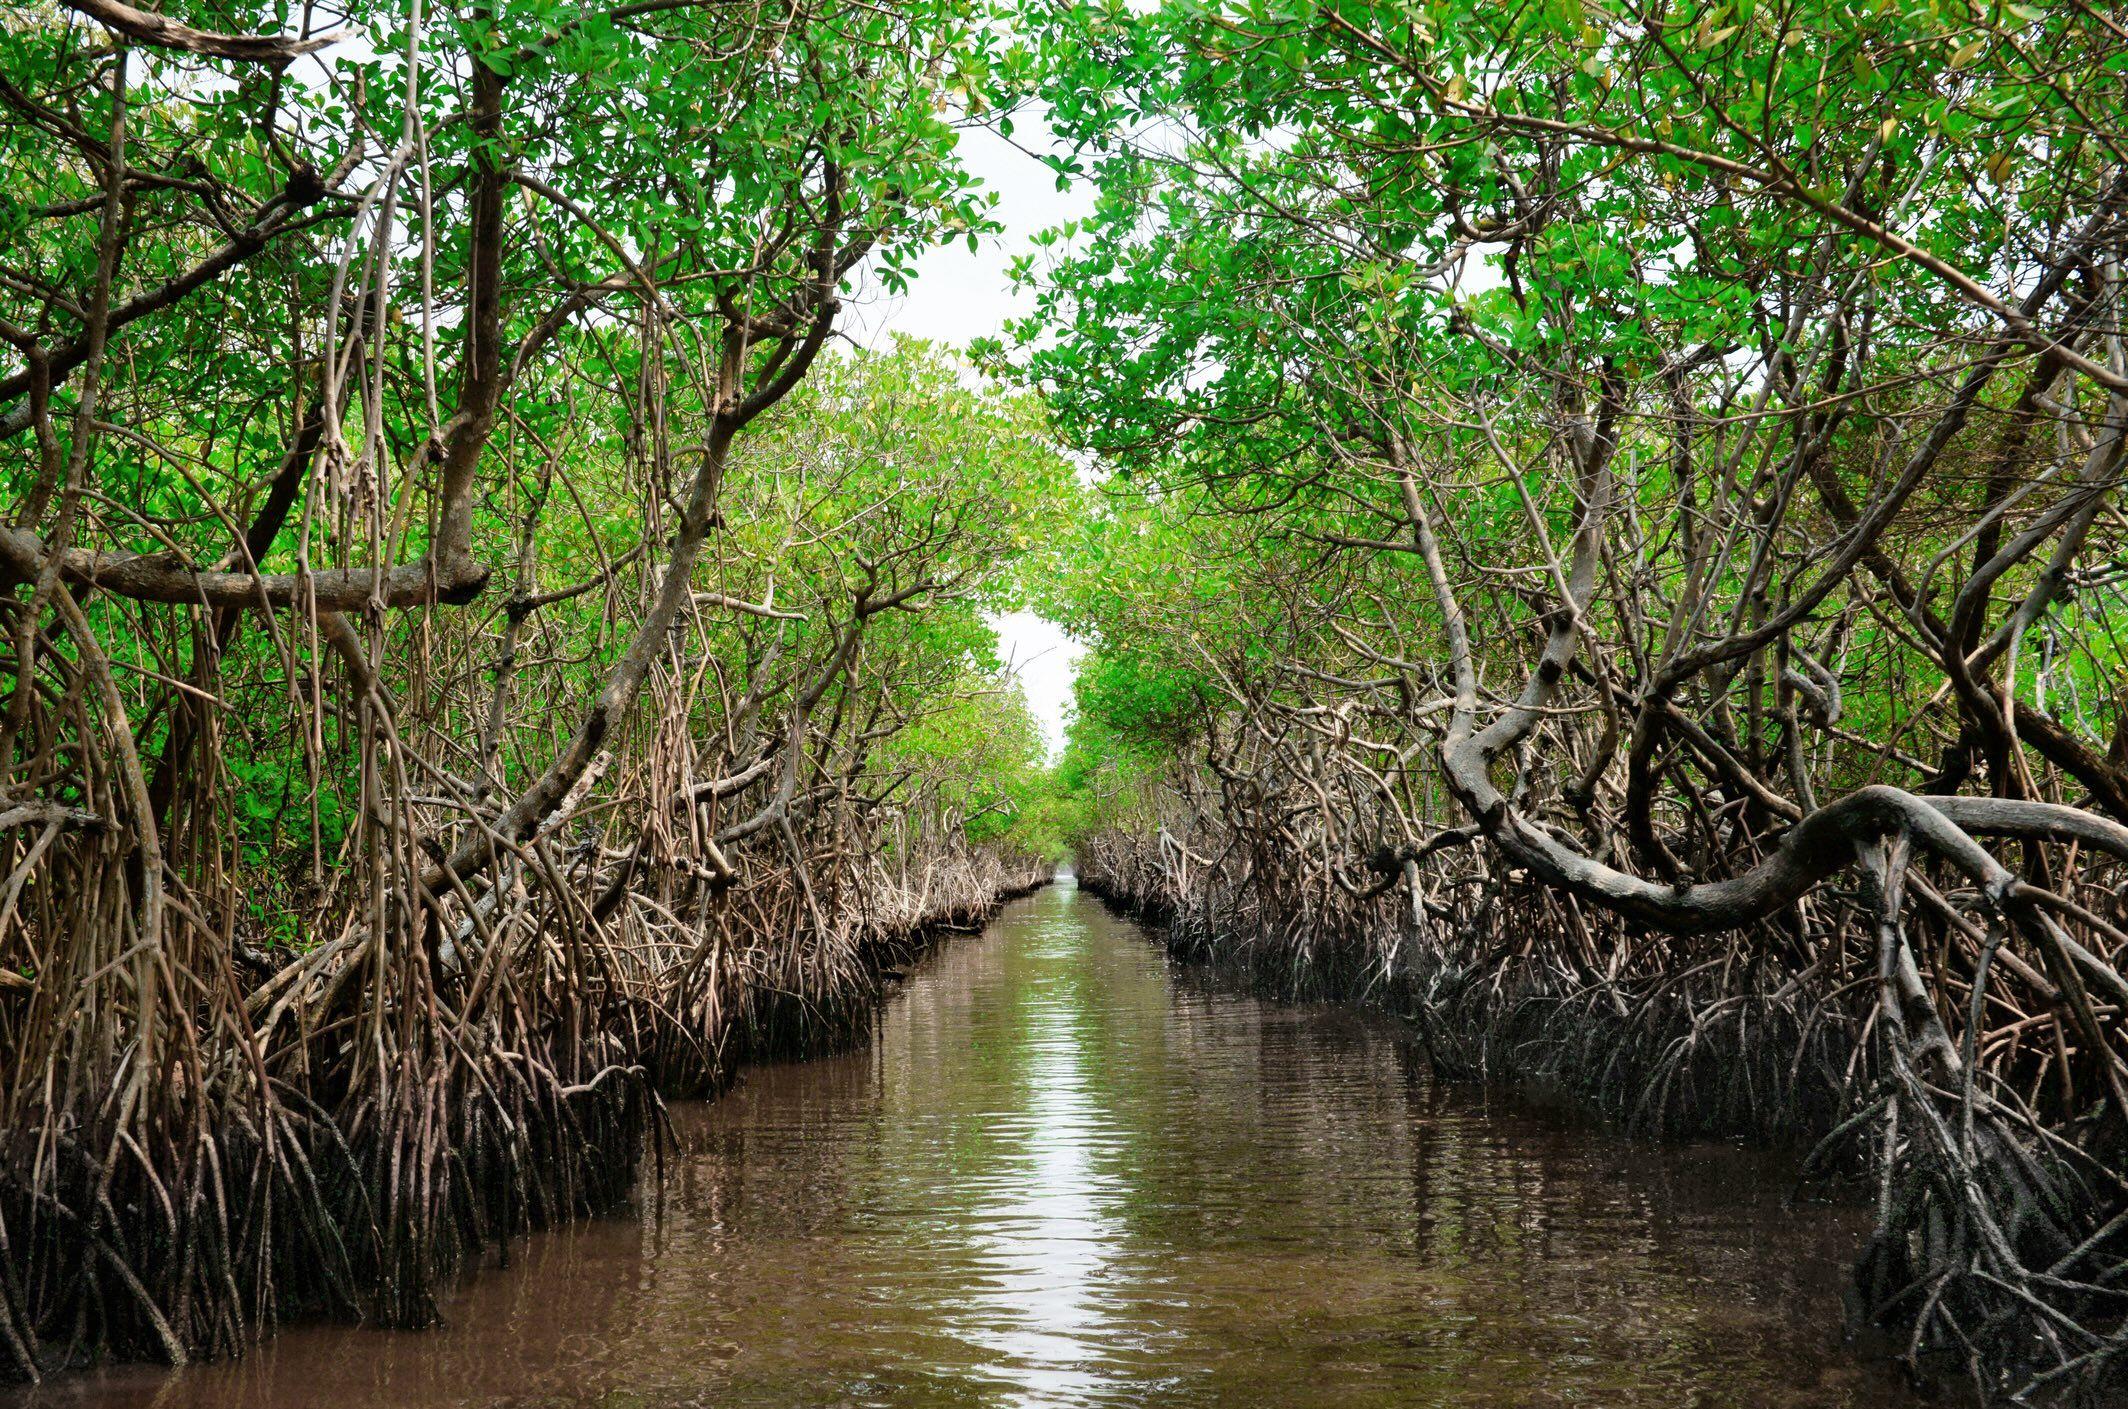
(1064, 1173)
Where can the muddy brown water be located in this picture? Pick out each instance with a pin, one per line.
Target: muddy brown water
(1063, 1173)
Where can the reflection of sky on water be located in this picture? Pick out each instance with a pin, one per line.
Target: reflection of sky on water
(1045, 1224)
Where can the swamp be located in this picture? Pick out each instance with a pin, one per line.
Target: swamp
(936, 702)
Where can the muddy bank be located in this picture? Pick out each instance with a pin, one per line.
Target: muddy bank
(1511, 986)
(1693, 1058)
(366, 1195)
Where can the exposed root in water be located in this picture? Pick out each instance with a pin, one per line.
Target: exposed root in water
(342, 1135)
(2001, 1235)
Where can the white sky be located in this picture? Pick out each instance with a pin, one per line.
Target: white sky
(958, 295)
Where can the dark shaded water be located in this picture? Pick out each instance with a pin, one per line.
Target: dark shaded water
(1062, 1174)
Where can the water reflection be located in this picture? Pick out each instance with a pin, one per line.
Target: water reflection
(1061, 1175)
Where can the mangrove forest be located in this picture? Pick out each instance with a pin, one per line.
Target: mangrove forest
(1574, 845)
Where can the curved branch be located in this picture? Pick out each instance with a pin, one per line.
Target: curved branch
(147, 27)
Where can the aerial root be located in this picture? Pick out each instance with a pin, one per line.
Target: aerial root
(1922, 1068)
(347, 1145)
